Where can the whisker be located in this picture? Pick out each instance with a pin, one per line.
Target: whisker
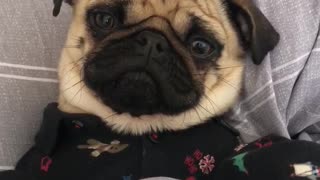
(197, 113)
(223, 80)
(110, 116)
(75, 84)
(206, 110)
(77, 93)
(213, 104)
(72, 47)
(227, 82)
(229, 67)
(74, 65)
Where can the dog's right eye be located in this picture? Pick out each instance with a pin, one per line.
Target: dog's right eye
(102, 20)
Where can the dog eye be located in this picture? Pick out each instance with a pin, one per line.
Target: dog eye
(201, 48)
(102, 20)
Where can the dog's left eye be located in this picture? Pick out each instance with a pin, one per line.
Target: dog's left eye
(102, 20)
(202, 48)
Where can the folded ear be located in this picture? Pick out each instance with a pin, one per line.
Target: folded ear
(58, 4)
(257, 33)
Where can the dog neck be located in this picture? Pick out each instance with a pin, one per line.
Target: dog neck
(65, 106)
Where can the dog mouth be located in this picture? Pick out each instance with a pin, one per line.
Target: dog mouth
(136, 93)
(141, 92)
(143, 79)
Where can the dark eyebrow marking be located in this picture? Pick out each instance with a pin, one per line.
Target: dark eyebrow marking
(199, 30)
(197, 26)
(118, 9)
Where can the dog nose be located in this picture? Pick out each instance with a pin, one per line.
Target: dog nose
(153, 43)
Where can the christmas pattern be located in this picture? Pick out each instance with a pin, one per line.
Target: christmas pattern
(207, 164)
(263, 143)
(239, 162)
(307, 170)
(199, 163)
(99, 147)
(45, 164)
(240, 147)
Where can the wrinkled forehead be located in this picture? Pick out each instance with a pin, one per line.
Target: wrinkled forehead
(182, 14)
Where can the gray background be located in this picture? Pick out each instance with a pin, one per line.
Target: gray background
(281, 96)
(30, 44)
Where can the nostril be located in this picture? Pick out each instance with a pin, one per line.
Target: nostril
(159, 48)
(148, 40)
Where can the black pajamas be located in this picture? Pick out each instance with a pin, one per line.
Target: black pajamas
(78, 146)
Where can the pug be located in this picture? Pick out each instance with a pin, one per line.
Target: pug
(159, 65)
(143, 87)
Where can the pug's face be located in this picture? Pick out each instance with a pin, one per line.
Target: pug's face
(153, 65)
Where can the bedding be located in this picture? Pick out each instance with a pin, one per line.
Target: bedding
(283, 95)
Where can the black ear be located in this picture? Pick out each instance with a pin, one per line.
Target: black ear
(58, 4)
(57, 7)
(257, 33)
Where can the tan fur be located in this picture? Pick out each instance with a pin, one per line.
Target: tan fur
(222, 86)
